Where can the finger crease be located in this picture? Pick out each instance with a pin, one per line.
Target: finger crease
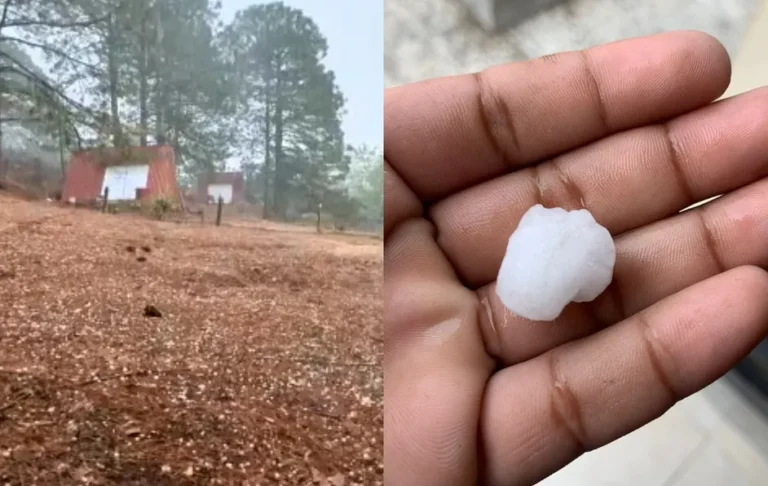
(600, 105)
(570, 196)
(564, 406)
(710, 243)
(494, 112)
(615, 302)
(617, 299)
(653, 350)
(541, 192)
(487, 320)
(675, 161)
(573, 191)
(399, 179)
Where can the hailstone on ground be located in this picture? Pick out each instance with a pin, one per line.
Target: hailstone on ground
(554, 257)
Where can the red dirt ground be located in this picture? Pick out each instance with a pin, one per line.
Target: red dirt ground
(264, 368)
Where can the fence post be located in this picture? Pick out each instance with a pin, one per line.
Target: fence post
(218, 211)
(106, 199)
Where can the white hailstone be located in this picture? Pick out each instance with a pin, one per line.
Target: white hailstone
(554, 257)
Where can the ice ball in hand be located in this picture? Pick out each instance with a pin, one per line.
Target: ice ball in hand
(554, 257)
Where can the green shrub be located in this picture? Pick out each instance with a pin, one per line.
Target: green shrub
(160, 207)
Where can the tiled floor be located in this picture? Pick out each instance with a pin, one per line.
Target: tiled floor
(429, 38)
(750, 64)
(716, 437)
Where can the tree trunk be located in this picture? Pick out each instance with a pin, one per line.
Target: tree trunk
(161, 110)
(266, 171)
(161, 97)
(62, 162)
(3, 160)
(279, 207)
(114, 91)
(159, 125)
(143, 85)
(173, 116)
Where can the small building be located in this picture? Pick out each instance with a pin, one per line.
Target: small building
(131, 174)
(230, 186)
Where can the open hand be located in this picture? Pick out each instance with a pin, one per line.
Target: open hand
(476, 395)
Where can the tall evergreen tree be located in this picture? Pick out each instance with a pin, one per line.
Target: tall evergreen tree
(286, 91)
(136, 72)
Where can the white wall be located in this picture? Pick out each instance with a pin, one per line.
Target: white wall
(124, 180)
(223, 190)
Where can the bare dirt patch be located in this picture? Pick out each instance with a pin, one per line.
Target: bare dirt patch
(137, 352)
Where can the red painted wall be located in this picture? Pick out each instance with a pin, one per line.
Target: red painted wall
(85, 175)
(162, 181)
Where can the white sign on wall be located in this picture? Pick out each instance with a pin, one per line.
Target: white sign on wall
(223, 190)
(124, 180)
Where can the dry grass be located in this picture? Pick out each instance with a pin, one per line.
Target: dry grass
(264, 368)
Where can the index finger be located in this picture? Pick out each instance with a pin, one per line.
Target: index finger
(444, 135)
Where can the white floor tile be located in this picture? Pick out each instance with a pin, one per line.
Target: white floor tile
(711, 466)
(648, 456)
(714, 437)
(743, 449)
(710, 407)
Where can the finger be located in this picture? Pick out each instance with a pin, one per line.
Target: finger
(435, 365)
(652, 263)
(626, 180)
(448, 134)
(543, 413)
(400, 203)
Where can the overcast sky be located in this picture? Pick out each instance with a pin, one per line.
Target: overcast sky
(355, 32)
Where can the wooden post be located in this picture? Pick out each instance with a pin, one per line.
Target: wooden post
(319, 211)
(106, 199)
(219, 210)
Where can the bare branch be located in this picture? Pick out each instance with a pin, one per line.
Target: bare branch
(320, 361)
(15, 119)
(31, 76)
(55, 25)
(20, 68)
(4, 19)
(130, 374)
(50, 49)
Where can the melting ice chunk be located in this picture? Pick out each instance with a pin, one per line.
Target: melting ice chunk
(554, 257)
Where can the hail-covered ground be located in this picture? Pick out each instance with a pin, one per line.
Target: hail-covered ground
(142, 352)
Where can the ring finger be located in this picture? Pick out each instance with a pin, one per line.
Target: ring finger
(653, 262)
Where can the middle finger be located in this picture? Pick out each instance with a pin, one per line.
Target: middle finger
(652, 262)
(626, 181)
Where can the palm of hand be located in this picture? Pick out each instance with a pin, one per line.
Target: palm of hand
(475, 394)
